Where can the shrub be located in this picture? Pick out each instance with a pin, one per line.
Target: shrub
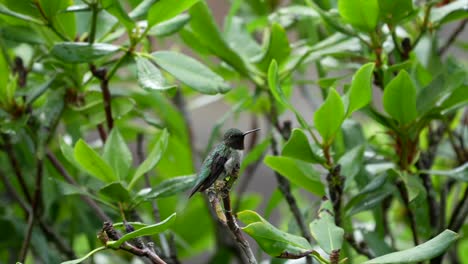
(97, 137)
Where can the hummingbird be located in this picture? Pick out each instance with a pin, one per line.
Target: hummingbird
(222, 161)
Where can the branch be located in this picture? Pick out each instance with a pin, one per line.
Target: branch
(412, 219)
(16, 167)
(61, 245)
(360, 248)
(108, 232)
(284, 185)
(166, 247)
(453, 37)
(101, 75)
(460, 213)
(335, 185)
(92, 204)
(247, 256)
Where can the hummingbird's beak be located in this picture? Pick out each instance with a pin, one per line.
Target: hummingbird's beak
(250, 131)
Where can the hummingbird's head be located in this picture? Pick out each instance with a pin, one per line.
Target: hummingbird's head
(234, 138)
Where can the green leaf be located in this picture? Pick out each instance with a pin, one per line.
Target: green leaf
(399, 99)
(351, 163)
(114, 8)
(62, 21)
(191, 72)
(5, 11)
(144, 231)
(152, 160)
(432, 98)
(325, 232)
(205, 29)
(298, 147)
(445, 13)
(329, 117)
(115, 191)
(117, 154)
(80, 260)
(169, 187)
(459, 173)
(272, 240)
(167, 9)
(360, 92)
(361, 14)
(422, 252)
(240, 40)
(275, 89)
(170, 26)
(277, 48)
(298, 172)
(149, 76)
(92, 163)
(81, 52)
(393, 11)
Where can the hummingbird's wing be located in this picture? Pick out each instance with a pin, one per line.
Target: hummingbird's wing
(217, 167)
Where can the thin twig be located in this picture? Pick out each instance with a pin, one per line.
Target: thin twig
(247, 255)
(61, 169)
(27, 238)
(166, 248)
(460, 213)
(16, 167)
(50, 233)
(101, 75)
(285, 188)
(360, 248)
(112, 234)
(404, 196)
(453, 37)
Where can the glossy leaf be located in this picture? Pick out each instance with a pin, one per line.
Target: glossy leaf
(278, 93)
(115, 8)
(170, 187)
(432, 98)
(360, 92)
(393, 11)
(422, 252)
(80, 260)
(323, 229)
(170, 26)
(298, 147)
(329, 117)
(81, 52)
(442, 14)
(351, 162)
(152, 160)
(191, 72)
(115, 191)
(205, 30)
(149, 76)
(399, 99)
(277, 48)
(459, 173)
(298, 172)
(144, 231)
(117, 154)
(363, 15)
(272, 240)
(166, 9)
(92, 163)
(5, 11)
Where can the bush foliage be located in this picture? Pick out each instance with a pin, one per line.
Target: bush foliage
(97, 150)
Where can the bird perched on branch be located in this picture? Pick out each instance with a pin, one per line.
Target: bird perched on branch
(224, 160)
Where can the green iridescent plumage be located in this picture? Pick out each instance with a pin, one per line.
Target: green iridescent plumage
(222, 161)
